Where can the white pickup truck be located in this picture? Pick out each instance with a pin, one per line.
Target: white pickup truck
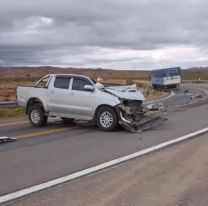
(75, 97)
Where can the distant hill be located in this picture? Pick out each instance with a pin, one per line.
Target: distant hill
(37, 72)
(10, 78)
(34, 73)
(196, 73)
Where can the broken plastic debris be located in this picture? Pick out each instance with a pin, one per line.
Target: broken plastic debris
(146, 123)
(156, 106)
(7, 139)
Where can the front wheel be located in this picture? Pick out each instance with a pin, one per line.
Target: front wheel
(107, 119)
(36, 116)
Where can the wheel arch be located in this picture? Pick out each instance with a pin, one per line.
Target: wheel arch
(104, 105)
(33, 101)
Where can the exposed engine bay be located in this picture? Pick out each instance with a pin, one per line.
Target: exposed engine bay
(131, 109)
(131, 113)
(134, 119)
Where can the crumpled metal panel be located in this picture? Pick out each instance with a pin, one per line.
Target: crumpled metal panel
(7, 139)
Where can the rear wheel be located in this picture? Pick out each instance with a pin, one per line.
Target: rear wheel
(36, 116)
(107, 119)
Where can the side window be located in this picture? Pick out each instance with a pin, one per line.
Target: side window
(62, 82)
(79, 83)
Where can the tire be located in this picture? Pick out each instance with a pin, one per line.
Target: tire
(107, 119)
(67, 120)
(36, 116)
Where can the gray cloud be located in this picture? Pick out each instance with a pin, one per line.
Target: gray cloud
(80, 32)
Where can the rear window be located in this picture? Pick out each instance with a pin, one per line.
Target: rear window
(62, 82)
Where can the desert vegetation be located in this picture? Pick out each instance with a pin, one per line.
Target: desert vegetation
(10, 78)
(11, 112)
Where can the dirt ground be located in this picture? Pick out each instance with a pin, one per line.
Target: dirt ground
(8, 88)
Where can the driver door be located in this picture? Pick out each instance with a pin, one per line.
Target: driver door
(82, 100)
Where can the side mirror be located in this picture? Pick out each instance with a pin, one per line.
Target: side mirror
(89, 88)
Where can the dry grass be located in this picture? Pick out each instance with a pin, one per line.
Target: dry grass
(13, 112)
(10, 78)
(8, 88)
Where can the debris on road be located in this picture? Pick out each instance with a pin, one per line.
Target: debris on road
(197, 96)
(186, 91)
(7, 139)
(156, 106)
(147, 121)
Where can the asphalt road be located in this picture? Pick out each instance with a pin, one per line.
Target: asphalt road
(42, 154)
(175, 176)
(180, 98)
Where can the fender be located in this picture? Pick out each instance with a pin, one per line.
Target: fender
(33, 100)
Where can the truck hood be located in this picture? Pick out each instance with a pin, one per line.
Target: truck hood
(126, 92)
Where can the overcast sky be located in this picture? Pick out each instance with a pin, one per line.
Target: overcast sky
(117, 34)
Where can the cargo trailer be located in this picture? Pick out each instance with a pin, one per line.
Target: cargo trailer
(167, 78)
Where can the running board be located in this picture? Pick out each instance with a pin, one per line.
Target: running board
(73, 116)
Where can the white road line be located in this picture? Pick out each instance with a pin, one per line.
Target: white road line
(13, 123)
(172, 94)
(58, 181)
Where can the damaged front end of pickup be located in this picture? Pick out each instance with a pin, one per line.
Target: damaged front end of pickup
(132, 115)
(134, 119)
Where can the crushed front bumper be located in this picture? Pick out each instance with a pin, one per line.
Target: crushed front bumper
(148, 121)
